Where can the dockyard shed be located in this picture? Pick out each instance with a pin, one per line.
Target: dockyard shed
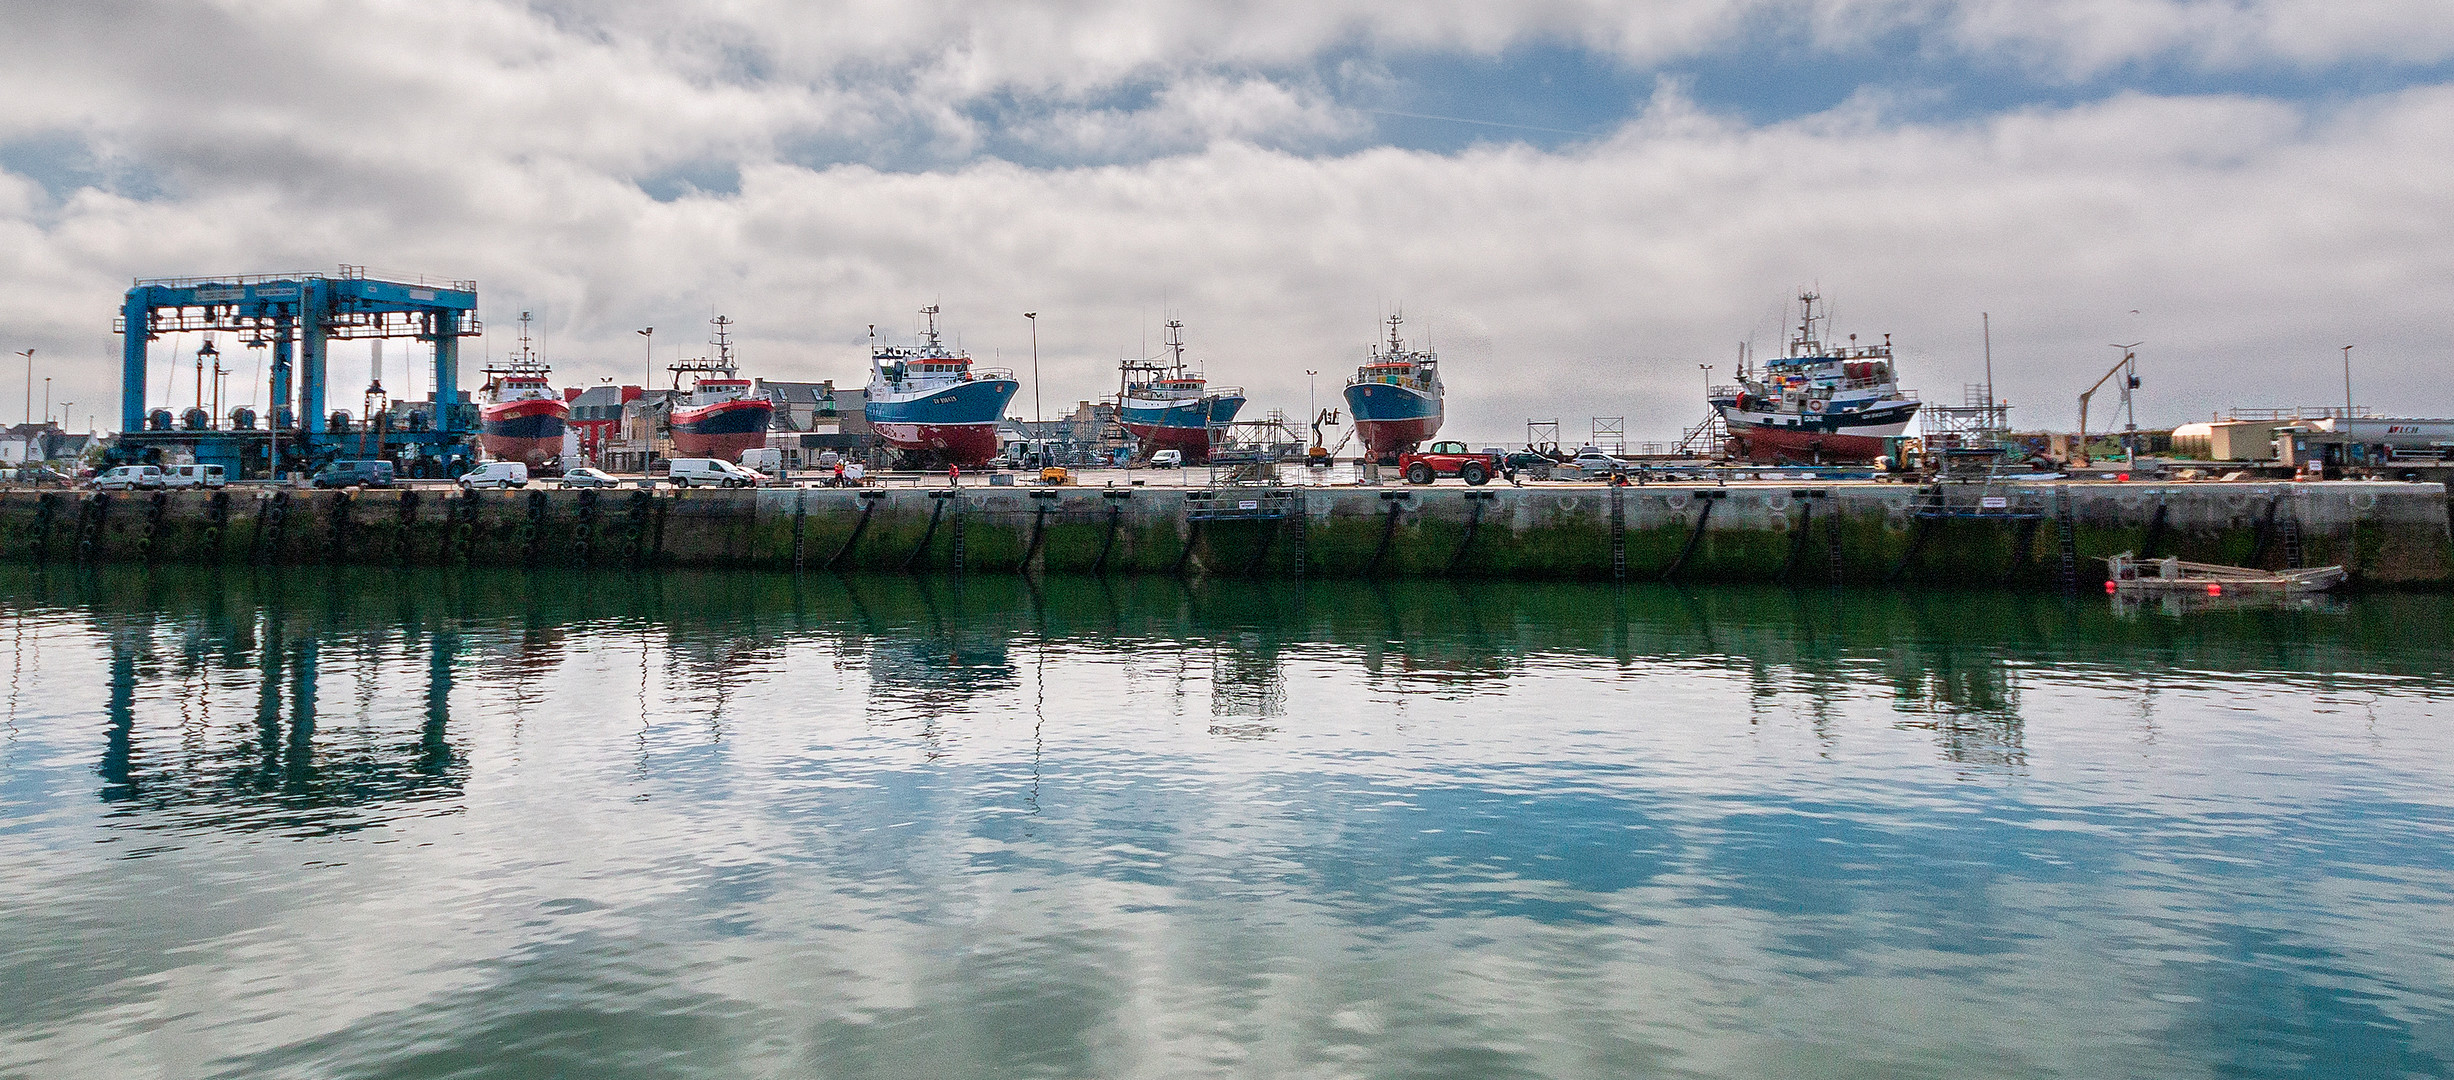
(2227, 440)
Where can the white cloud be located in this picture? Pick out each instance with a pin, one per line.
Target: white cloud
(1190, 114)
(2082, 38)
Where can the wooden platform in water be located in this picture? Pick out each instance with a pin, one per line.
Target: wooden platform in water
(2128, 574)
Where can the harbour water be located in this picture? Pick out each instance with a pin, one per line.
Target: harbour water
(362, 823)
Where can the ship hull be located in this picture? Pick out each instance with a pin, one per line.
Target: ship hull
(1391, 419)
(959, 444)
(955, 423)
(1182, 426)
(529, 432)
(722, 430)
(1782, 437)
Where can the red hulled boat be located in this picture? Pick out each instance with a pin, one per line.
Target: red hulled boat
(720, 417)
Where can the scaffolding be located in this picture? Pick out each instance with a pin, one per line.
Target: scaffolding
(1610, 434)
(1981, 421)
(1978, 422)
(1542, 435)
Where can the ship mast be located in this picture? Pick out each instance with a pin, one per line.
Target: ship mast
(1805, 344)
(723, 342)
(721, 364)
(1175, 346)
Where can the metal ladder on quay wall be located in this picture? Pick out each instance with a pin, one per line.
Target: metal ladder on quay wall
(2293, 553)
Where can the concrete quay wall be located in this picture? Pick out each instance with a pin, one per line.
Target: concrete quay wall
(2387, 533)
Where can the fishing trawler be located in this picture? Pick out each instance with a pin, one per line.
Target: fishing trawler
(1819, 403)
(521, 416)
(719, 417)
(928, 400)
(1395, 398)
(1167, 406)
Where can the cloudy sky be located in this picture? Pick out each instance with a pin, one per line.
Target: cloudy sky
(1576, 201)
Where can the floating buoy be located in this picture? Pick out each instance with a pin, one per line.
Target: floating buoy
(2109, 587)
(2214, 589)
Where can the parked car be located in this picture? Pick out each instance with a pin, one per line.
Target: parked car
(584, 477)
(1448, 457)
(129, 478)
(495, 474)
(711, 472)
(1532, 463)
(1167, 459)
(1591, 460)
(194, 476)
(373, 473)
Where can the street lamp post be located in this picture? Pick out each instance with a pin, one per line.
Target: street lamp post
(650, 334)
(2347, 385)
(1312, 397)
(46, 399)
(29, 355)
(1039, 431)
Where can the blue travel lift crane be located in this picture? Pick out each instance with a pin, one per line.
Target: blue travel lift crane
(295, 315)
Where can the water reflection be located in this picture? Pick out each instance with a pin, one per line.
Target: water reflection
(521, 824)
(180, 750)
(332, 664)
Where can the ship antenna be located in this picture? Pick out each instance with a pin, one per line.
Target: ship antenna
(1175, 343)
(931, 333)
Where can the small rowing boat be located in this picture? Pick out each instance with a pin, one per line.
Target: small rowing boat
(2127, 574)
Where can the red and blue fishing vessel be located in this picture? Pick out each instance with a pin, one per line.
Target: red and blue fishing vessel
(928, 400)
(1819, 403)
(719, 417)
(521, 416)
(1395, 398)
(1169, 406)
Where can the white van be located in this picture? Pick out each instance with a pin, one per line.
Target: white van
(129, 478)
(1167, 459)
(711, 472)
(767, 460)
(193, 476)
(496, 474)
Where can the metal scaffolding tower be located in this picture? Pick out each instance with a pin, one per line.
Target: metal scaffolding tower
(1981, 421)
(1977, 423)
(1542, 434)
(1610, 433)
